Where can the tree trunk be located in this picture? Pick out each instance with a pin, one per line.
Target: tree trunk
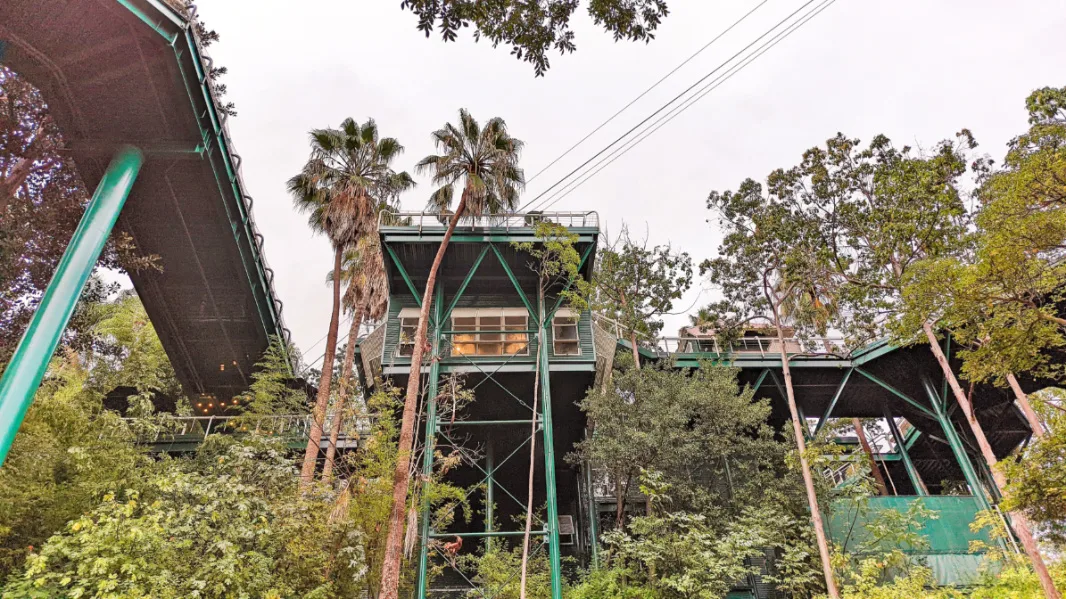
(1027, 408)
(619, 503)
(532, 452)
(1019, 523)
(390, 567)
(342, 397)
(315, 438)
(632, 336)
(808, 480)
(882, 488)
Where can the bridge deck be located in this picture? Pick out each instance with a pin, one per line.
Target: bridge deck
(128, 72)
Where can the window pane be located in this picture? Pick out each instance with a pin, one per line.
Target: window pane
(490, 336)
(566, 348)
(521, 348)
(489, 349)
(463, 349)
(567, 332)
(491, 323)
(465, 323)
(515, 322)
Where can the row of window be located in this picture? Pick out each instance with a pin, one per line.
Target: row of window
(494, 332)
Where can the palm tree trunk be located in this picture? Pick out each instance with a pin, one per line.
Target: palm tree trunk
(882, 488)
(1027, 408)
(808, 480)
(1019, 523)
(532, 453)
(342, 397)
(390, 568)
(315, 438)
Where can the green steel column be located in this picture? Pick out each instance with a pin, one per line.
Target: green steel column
(549, 460)
(957, 448)
(912, 472)
(431, 434)
(30, 360)
(594, 517)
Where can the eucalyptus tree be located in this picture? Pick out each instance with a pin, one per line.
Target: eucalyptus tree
(884, 215)
(636, 285)
(343, 187)
(769, 254)
(483, 160)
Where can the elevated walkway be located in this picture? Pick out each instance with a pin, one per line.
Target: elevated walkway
(118, 72)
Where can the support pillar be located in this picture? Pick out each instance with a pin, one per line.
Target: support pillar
(957, 448)
(554, 558)
(30, 360)
(490, 492)
(912, 472)
(427, 452)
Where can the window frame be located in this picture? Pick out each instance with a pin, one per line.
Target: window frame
(406, 314)
(565, 317)
(498, 336)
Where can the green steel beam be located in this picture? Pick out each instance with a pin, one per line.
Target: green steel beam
(514, 281)
(403, 273)
(466, 281)
(758, 381)
(956, 445)
(784, 395)
(901, 445)
(30, 360)
(487, 422)
(914, 404)
(408, 237)
(833, 403)
(427, 451)
(482, 535)
(552, 524)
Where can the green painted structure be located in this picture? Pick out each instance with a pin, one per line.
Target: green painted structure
(132, 72)
(490, 329)
(34, 351)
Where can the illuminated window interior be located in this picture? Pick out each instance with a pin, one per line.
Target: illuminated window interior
(565, 339)
(490, 332)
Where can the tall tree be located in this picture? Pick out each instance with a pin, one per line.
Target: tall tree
(342, 186)
(366, 296)
(883, 213)
(533, 29)
(636, 285)
(484, 161)
(767, 256)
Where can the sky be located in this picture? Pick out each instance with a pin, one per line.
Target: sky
(915, 70)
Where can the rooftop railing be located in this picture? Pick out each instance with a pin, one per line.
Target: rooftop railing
(518, 220)
(198, 428)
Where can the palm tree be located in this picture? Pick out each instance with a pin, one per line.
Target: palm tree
(484, 160)
(366, 296)
(343, 185)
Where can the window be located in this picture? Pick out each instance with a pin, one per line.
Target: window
(490, 332)
(565, 339)
(408, 329)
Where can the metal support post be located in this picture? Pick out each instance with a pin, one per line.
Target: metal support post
(594, 517)
(832, 404)
(427, 452)
(549, 462)
(30, 360)
(912, 472)
(952, 436)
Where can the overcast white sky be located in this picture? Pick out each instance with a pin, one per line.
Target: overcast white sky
(915, 70)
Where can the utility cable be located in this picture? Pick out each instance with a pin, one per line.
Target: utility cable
(662, 121)
(646, 91)
(666, 105)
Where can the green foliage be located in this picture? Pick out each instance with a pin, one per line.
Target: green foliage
(533, 29)
(636, 285)
(494, 572)
(611, 583)
(228, 519)
(558, 263)
(271, 391)
(1003, 298)
(1037, 484)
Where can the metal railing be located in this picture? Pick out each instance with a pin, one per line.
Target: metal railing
(764, 347)
(518, 220)
(197, 428)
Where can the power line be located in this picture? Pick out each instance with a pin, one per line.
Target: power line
(662, 121)
(667, 105)
(645, 92)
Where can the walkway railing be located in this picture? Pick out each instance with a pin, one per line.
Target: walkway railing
(192, 429)
(435, 220)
